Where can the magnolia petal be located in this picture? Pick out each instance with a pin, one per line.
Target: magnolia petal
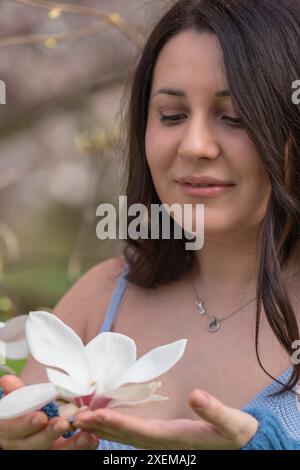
(17, 349)
(119, 404)
(66, 386)
(26, 399)
(109, 355)
(133, 392)
(55, 344)
(2, 325)
(13, 329)
(153, 364)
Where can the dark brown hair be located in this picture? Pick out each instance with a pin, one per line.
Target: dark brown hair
(260, 41)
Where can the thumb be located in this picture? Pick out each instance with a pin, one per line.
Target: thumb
(9, 383)
(231, 423)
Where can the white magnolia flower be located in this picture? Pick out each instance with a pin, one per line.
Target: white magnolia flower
(104, 373)
(13, 344)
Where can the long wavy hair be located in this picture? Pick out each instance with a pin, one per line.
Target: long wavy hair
(261, 45)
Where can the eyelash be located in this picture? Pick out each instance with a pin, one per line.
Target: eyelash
(234, 122)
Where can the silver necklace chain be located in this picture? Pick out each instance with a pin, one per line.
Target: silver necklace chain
(214, 323)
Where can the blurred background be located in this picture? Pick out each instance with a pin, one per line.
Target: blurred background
(67, 68)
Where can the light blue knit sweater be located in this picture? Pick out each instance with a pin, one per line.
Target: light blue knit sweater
(271, 434)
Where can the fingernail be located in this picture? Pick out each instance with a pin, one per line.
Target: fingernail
(202, 399)
(82, 441)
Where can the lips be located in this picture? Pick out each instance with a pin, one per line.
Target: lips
(204, 186)
(205, 192)
(204, 181)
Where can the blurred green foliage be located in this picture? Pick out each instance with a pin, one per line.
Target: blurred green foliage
(17, 366)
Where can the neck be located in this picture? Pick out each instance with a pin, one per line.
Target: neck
(227, 266)
(231, 266)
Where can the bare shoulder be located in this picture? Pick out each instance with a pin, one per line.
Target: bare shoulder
(83, 307)
(90, 295)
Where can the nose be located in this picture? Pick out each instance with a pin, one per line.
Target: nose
(199, 141)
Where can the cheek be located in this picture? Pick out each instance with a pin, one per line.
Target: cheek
(255, 187)
(247, 205)
(259, 194)
(248, 164)
(161, 147)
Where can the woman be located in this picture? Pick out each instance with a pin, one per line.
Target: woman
(211, 103)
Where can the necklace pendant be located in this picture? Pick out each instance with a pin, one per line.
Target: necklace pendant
(201, 309)
(213, 325)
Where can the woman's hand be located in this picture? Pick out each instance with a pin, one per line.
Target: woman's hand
(35, 432)
(220, 427)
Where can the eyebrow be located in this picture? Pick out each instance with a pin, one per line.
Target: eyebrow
(181, 93)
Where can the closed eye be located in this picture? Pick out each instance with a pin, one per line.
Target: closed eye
(235, 122)
(171, 118)
(175, 118)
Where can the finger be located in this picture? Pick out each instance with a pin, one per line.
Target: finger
(9, 383)
(212, 410)
(126, 439)
(42, 440)
(23, 426)
(230, 422)
(144, 433)
(80, 441)
(114, 421)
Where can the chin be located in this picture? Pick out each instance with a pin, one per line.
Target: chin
(218, 231)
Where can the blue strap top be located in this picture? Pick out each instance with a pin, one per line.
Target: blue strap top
(285, 407)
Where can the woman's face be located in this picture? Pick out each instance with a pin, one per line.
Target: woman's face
(203, 137)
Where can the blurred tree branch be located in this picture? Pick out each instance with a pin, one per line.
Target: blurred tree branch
(11, 242)
(111, 19)
(70, 99)
(52, 40)
(73, 95)
(12, 175)
(87, 216)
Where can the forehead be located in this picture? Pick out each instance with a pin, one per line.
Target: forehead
(191, 61)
